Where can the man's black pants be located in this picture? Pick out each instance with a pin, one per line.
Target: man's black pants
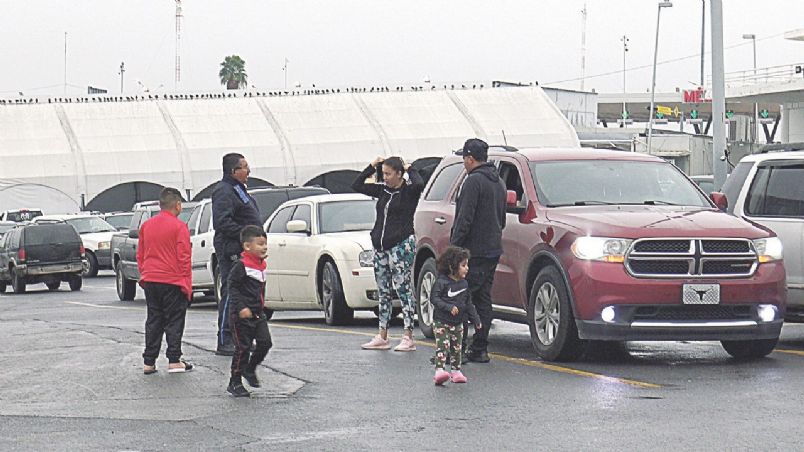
(480, 279)
(224, 327)
(245, 331)
(167, 307)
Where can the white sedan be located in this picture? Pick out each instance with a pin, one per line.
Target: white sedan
(320, 256)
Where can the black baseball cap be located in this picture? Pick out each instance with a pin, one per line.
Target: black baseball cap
(476, 148)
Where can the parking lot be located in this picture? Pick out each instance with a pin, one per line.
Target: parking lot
(72, 379)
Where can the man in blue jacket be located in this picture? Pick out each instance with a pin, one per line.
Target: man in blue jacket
(478, 225)
(232, 209)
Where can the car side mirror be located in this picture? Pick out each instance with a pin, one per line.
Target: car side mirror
(297, 226)
(510, 203)
(720, 200)
(133, 234)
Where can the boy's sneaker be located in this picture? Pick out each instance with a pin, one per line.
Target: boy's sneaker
(376, 343)
(251, 378)
(458, 377)
(237, 389)
(441, 377)
(405, 345)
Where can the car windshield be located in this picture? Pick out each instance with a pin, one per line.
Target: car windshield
(120, 221)
(88, 225)
(614, 182)
(343, 216)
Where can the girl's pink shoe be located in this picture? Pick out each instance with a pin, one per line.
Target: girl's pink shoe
(458, 377)
(441, 377)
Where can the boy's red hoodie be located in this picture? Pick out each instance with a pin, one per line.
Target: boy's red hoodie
(247, 285)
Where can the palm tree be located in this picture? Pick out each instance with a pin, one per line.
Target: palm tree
(233, 72)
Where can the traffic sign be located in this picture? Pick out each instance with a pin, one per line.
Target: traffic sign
(665, 111)
(676, 112)
(625, 115)
(694, 114)
(729, 114)
(764, 114)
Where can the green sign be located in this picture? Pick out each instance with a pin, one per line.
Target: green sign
(729, 114)
(624, 115)
(694, 114)
(764, 114)
(659, 115)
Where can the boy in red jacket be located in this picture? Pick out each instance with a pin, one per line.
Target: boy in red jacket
(246, 305)
(165, 262)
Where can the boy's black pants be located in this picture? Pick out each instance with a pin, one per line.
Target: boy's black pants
(244, 331)
(167, 307)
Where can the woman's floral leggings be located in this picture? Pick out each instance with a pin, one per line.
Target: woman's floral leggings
(393, 271)
(448, 339)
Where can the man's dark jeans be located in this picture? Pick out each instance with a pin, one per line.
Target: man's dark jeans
(224, 328)
(167, 307)
(480, 279)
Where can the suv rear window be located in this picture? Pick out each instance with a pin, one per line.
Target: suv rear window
(23, 215)
(776, 191)
(51, 233)
(442, 183)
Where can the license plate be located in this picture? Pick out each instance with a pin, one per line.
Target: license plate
(701, 294)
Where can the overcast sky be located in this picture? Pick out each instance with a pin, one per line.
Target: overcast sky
(382, 42)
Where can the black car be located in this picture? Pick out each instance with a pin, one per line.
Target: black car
(41, 253)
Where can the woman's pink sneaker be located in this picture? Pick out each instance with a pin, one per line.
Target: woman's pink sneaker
(405, 345)
(376, 343)
(441, 377)
(458, 377)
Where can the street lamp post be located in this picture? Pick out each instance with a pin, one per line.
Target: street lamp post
(624, 39)
(653, 82)
(755, 134)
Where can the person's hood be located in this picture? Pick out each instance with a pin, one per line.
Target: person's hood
(488, 171)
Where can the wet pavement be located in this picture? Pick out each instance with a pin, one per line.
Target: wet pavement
(72, 380)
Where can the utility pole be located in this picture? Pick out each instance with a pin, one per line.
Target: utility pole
(755, 134)
(122, 71)
(703, 39)
(653, 82)
(285, 70)
(718, 96)
(65, 64)
(583, 47)
(178, 44)
(624, 40)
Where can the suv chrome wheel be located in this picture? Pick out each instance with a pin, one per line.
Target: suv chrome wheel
(546, 313)
(424, 308)
(552, 324)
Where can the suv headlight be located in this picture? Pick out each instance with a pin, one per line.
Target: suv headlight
(366, 258)
(103, 245)
(769, 249)
(601, 249)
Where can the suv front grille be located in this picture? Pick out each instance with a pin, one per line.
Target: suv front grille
(692, 312)
(691, 258)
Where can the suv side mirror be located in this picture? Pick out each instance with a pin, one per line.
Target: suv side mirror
(720, 200)
(297, 226)
(133, 234)
(510, 203)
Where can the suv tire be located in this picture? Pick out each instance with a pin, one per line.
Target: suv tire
(126, 288)
(53, 286)
(746, 350)
(336, 312)
(17, 282)
(92, 265)
(76, 282)
(550, 318)
(424, 286)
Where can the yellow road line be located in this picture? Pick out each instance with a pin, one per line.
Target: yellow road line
(790, 352)
(505, 358)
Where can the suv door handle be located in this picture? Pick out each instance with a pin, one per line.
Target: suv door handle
(203, 243)
(440, 220)
(282, 243)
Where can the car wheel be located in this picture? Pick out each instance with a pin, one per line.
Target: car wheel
(745, 350)
(76, 282)
(424, 287)
(552, 324)
(92, 265)
(17, 282)
(53, 286)
(126, 288)
(336, 312)
(268, 313)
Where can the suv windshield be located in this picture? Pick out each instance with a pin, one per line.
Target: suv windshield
(343, 216)
(87, 225)
(615, 182)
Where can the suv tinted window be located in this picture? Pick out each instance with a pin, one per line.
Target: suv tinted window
(269, 201)
(735, 183)
(510, 175)
(206, 215)
(23, 215)
(776, 191)
(443, 182)
(280, 222)
(50, 233)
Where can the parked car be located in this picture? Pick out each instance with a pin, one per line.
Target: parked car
(768, 189)
(320, 256)
(19, 215)
(202, 232)
(120, 220)
(6, 226)
(706, 182)
(613, 246)
(41, 253)
(96, 235)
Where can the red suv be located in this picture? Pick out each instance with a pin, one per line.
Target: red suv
(613, 246)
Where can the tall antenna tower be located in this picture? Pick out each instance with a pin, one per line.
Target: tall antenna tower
(178, 43)
(583, 46)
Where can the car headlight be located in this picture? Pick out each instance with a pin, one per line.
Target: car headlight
(366, 258)
(103, 245)
(769, 249)
(601, 249)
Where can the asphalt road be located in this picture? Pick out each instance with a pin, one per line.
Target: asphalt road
(72, 380)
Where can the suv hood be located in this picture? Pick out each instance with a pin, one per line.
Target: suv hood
(92, 239)
(632, 222)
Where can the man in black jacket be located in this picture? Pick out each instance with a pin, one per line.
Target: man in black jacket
(478, 225)
(232, 209)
